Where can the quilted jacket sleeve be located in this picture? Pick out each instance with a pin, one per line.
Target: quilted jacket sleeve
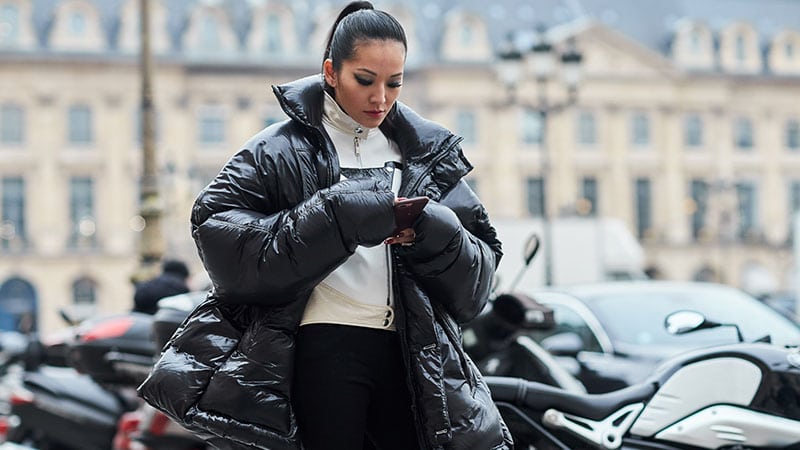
(257, 252)
(456, 252)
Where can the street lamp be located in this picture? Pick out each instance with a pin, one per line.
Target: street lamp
(544, 62)
(152, 242)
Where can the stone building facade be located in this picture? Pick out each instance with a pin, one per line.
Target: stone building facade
(686, 126)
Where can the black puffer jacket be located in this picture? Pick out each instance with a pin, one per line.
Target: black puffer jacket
(276, 221)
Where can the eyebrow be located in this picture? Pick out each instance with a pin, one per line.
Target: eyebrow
(362, 69)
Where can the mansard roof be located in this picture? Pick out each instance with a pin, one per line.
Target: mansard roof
(649, 22)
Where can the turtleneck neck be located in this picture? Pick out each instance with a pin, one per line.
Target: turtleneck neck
(334, 116)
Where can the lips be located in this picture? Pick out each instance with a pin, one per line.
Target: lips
(374, 113)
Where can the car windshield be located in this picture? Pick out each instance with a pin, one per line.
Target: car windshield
(637, 316)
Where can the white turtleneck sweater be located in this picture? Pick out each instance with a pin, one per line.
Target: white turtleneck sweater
(359, 291)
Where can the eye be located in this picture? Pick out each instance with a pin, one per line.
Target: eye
(395, 84)
(363, 81)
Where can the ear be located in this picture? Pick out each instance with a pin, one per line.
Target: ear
(330, 74)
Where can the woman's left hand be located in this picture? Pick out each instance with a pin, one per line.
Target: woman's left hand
(404, 237)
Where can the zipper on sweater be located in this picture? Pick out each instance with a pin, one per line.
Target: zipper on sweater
(357, 146)
(357, 151)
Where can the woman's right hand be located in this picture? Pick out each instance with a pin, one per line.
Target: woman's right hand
(363, 210)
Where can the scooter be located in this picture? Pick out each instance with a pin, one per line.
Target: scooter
(496, 339)
(146, 427)
(78, 407)
(737, 396)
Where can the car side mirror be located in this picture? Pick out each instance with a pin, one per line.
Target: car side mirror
(563, 344)
(682, 322)
(523, 312)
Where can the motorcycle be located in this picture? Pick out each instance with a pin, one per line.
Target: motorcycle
(736, 396)
(70, 393)
(496, 339)
(147, 427)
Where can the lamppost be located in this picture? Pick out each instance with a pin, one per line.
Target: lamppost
(544, 63)
(151, 246)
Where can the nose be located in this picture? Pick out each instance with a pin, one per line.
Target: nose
(378, 95)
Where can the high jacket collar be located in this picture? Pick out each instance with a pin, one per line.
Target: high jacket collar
(302, 100)
(335, 117)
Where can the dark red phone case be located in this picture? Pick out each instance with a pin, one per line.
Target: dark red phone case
(407, 210)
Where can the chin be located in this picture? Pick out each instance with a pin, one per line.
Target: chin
(372, 123)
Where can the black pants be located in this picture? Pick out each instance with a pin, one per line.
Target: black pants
(349, 390)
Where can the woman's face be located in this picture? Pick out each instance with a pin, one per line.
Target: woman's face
(368, 84)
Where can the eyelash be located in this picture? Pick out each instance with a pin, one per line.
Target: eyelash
(364, 82)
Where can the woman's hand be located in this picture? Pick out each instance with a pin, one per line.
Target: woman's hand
(405, 237)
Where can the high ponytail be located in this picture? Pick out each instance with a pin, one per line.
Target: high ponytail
(357, 22)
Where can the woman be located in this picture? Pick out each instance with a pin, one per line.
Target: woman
(361, 331)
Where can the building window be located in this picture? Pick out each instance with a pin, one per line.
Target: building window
(12, 228)
(536, 197)
(695, 41)
(12, 124)
(82, 216)
(532, 131)
(467, 35)
(273, 37)
(465, 126)
(80, 124)
(18, 306)
(587, 205)
(84, 292)
(792, 139)
(644, 213)
(640, 130)
(743, 133)
(794, 206)
(699, 193)
(746, 194)
(77, 23)
(9, 24)
(693, 131)
(794, 197)
(211, 126)
(209, 34)
(587, 134)
(741, 53)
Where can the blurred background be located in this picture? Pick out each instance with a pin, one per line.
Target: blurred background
(639, 138)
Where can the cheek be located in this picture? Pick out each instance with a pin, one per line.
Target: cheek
(393, 95)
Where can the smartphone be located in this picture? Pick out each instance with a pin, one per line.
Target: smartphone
(407, 210)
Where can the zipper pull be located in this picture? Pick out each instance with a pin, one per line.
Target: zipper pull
(356, 148)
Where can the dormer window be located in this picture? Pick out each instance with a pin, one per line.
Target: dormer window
(467, 35)
(210, 33)
(272, 33)
(783, 58)
(466, 38)
(272, 41)
(692, 47)
(695, 41)
(130, 28)
(77, 27)
(741, 52)
(739, 49)
(77, 23)
(9, 24)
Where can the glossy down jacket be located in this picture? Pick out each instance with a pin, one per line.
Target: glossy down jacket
(276, 221)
